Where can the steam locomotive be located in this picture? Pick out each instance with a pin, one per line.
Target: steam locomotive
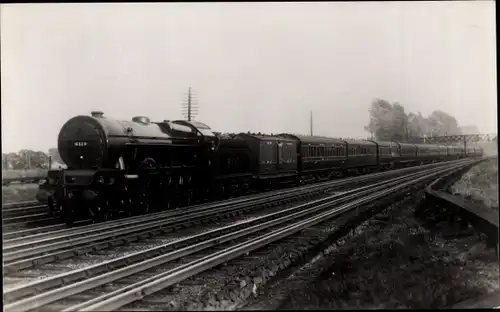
(138, 166)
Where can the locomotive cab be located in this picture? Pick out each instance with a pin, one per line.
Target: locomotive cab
(199, 129)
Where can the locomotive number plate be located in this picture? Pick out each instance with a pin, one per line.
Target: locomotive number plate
(80, 144)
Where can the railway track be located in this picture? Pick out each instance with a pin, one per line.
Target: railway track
(27, 203)
(20, 252)
(25, 216)
(30, 217)
(180, 257)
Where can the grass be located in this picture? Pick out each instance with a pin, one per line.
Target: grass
(18, 192)
(27, 173)
(399, 263)
(480, 184)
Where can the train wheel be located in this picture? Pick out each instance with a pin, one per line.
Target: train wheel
(145, 207)
(67, 214)
(54, 206)
(187, 199)
(167, 205)
(99, 212)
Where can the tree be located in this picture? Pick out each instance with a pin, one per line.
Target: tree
(399, 123)
(391, 123)
(14, 161)
(29, 159)
(25, 159)
(443, 124)
(381, 120)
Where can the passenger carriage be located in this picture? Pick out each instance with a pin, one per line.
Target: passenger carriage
(361, 156)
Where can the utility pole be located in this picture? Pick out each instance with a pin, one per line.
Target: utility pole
(189, 107)
(311, 123)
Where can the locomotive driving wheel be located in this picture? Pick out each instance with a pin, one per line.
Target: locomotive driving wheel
(67, 214)
(54, 206)
(144, 205)
(99, 212)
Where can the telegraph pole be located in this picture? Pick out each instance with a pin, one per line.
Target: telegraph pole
(311, 123)
(189, 106)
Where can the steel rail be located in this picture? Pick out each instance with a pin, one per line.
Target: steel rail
(20, 204)
(153, 284)
(85, 230)
(19, 233)
(19, 227)
(18, 253)
(16, 236)
(21, 211)
(98, 268)
(112, 275)
(127, 236)
(26, 218)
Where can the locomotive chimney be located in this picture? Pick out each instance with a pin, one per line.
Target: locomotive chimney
(97, 114)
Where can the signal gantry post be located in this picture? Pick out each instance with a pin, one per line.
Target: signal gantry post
(189, 106)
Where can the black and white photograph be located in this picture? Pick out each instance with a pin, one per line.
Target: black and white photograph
(213, 156)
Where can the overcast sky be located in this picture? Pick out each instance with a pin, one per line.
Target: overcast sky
(254, 66)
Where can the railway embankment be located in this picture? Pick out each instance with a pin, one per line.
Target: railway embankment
(245, 283)
(409, 256)
(479, 184)
(397, 259)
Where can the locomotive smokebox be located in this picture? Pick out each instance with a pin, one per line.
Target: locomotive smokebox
(97, 114)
